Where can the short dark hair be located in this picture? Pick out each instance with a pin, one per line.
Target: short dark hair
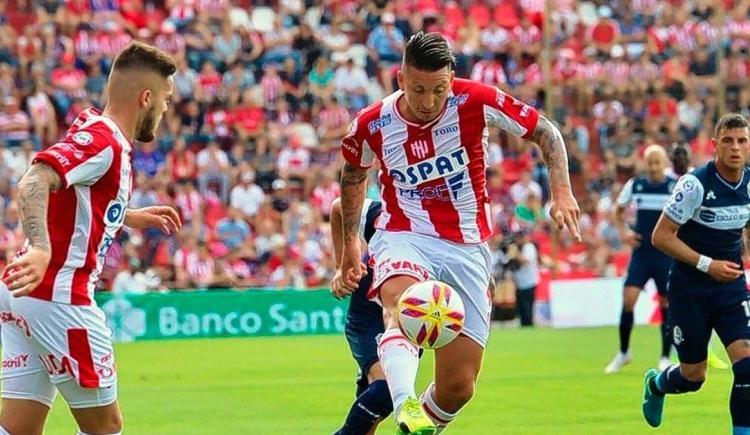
(429, 52)
(140, 56)
(730, 121)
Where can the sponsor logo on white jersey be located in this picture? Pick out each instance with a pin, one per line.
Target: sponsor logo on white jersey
(436, 167)
(379, 123)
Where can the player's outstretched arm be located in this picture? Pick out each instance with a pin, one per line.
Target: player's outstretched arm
(353, 189)
(162, 217)
(26, 272)
(665, 239)
(564, 210)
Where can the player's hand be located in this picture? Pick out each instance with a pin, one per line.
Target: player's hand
(725, 271)
(352, 269)
(565, 212)
(632, 239)
(25, 273)
(162, 217)
(338, 289)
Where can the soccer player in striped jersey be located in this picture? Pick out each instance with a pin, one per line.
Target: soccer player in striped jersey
(430, 138)
(73, 203)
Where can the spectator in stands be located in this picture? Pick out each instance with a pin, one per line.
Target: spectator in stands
(15, 125)
(213, 166)
(351, 84)
(180, 163)
(525, 276)
(232, 230)
(68, 83)
(386, 45)
(524, 187)
(247, 196)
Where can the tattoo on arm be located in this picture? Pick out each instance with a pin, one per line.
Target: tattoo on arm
(551, 142)
(33, 199)
(353, 183)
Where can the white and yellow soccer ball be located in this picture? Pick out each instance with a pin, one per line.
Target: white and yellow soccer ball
(430, 314)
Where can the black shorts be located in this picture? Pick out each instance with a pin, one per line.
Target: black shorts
(693, 316)
(646, 265)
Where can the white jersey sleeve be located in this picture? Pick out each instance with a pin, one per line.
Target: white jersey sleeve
(81, 158)
(686, 199)
(626, 194)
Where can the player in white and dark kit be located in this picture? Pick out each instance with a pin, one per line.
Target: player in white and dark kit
(648, 193)
(430, 139)
(702, 228)
(73, 202)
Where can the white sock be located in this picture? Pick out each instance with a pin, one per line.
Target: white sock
(3, 431)
(400, 361)
(441, 418)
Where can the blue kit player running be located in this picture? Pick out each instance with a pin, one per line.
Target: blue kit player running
(648, 193)
(364, 322)
(702, 227)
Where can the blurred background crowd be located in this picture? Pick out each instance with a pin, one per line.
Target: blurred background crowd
(248, 153)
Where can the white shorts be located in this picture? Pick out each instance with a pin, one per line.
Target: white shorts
(466, 268)
(48, 346)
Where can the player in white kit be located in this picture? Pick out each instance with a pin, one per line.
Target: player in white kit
(430, 138)
(73, 203)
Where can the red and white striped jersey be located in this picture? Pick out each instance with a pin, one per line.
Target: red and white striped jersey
(87, 213)
(432, 176)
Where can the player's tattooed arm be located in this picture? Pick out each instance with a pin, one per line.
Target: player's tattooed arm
(564, 208)
(33, 199)
(551, 142)
(353, 186)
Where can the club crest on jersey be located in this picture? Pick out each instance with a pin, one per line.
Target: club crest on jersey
(419, 149)
(379, 123)
(431, 169)
(83, 138)
(115, 213)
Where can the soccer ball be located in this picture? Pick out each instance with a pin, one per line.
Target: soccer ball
(430, 314)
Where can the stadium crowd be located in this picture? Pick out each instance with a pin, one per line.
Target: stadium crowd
(248, 152)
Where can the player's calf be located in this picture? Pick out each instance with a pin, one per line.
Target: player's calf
(370, 407)
(687, 378)
(739, 402)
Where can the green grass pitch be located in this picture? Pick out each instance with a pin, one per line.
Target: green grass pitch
(534, 382)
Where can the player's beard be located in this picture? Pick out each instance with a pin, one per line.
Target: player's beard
(147, 130)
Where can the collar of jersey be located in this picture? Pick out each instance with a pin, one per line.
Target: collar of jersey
(726, 183)
(400, 94)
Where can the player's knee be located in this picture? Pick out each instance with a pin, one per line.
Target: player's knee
(694, 379)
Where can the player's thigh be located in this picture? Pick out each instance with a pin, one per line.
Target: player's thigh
(660, 273)
(95, 410)
(468, 271)
(638, 272)
(457, 367)
(690, 328)
(399, 259)
(732, 324)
